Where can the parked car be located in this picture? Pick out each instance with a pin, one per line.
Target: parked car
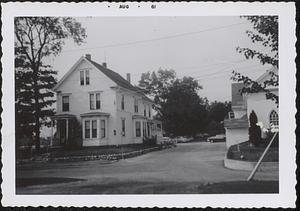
(217, 138)
(201, 137)
(182, 139)
(167, 141)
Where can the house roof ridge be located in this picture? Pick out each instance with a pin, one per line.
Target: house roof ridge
(118, 79)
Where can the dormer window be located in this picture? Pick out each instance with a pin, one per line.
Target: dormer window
(84, 77)
(81, 77)
(87, 77)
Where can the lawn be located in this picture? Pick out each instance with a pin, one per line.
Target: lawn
(250, 153)
(240, 187)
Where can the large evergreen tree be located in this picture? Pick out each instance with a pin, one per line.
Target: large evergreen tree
(37, 38)
(264, 33)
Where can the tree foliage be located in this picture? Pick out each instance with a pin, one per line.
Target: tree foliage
(183, 112)
(156, 85)
(37, 38)
(266, 34)
(218, 111)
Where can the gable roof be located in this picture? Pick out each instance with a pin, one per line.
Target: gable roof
(266, 75)
(118, 79)
(115, 77)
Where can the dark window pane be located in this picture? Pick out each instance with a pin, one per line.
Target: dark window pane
(103, 135)
(87, 77)
(87, 128)
(81, 77)
(65, 103)
(123, 127)
(92, 102)
(123, 103)
(98, 105)
(94, 128)
(138, 129)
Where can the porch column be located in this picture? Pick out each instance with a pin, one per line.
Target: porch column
(51, 139)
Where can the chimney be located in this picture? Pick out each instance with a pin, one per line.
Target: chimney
(128, 77)
(104, 64)
(88, 56)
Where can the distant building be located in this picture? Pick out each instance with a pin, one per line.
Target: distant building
(109, 110)
(236, 126)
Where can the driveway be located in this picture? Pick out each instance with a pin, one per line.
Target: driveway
(175, 170)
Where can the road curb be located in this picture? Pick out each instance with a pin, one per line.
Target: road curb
(249, 166)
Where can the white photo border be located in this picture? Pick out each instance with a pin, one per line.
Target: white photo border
(287, 108)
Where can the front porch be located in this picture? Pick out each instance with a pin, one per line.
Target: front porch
(64, 130)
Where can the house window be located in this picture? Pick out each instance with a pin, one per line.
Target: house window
(84, 77)
(149, 112)
(273, 118)
(231, 115)
(81, 77)
(92, 101)
(123, 127)
(144, 129)
(144, 110)
(87, 128)
(123, 102)
(95, 101)
(136, 106)
(87, 77)
(138, 129)
(65, 103)
(148, 129)
(98, 105)
(94, 128)
(102, 127)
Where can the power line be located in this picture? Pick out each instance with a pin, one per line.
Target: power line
(156, 39)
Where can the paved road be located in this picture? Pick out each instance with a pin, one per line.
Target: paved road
(176, 170)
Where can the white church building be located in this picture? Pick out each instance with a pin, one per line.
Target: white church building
(236, 126)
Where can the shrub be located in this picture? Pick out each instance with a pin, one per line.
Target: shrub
(149, 141)
(254, 130)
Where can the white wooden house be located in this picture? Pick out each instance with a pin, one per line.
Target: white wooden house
(109, 109)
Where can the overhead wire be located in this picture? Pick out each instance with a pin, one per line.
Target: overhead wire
(155, 39)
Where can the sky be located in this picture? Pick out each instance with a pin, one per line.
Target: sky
(201, 47)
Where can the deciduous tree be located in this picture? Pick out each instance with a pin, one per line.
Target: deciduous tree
(37, 38)
(156, 85)
(264, 33)
(183, 112)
